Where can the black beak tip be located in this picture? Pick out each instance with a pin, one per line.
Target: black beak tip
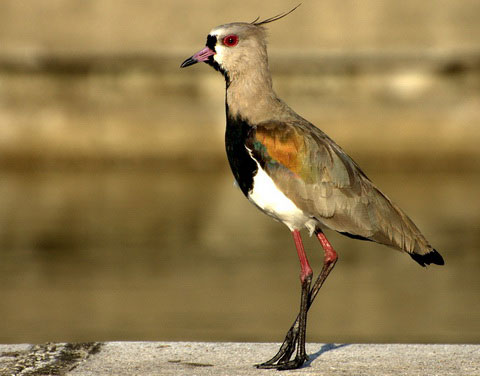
(188, 62)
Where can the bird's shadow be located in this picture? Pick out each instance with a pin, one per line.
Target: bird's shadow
(326, 347)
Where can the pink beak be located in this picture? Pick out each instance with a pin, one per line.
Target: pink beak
(201, 55)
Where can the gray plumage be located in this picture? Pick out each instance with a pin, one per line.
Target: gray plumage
(329, 187)
(295, 173)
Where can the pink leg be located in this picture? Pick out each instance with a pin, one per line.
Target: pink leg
(306, 270)
(329, 260)
(330, 254)
(294, 337)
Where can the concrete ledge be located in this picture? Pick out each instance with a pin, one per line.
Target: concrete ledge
(196, 358)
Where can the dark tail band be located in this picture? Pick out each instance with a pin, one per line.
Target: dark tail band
(432, 257)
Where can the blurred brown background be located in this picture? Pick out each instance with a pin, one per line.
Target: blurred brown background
(118, 216)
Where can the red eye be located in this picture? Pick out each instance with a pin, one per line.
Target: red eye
(230, 40)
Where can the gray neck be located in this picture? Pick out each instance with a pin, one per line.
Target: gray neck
(250, 96)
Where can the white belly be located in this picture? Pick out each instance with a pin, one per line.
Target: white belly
(266, 195)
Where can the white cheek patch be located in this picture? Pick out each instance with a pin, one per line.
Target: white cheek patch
(219, 48)
(220, 51)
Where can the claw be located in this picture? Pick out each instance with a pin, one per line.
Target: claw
(292, 364)
(267, 365)
(285, 365)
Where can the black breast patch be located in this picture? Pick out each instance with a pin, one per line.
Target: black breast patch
(244, 168)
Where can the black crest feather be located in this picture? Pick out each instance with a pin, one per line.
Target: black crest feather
(256, 22)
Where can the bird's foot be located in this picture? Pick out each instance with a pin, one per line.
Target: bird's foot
(285, 352)
(295, 363)
(276, 361)
(283, 365)
(281, 361)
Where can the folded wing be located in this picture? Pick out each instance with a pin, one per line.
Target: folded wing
(323, 181)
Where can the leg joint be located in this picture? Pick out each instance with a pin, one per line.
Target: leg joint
(306, 275)
(330, 256)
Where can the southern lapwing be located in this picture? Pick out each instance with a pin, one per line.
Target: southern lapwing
(295, 173)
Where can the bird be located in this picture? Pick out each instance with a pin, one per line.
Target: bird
(293, 172)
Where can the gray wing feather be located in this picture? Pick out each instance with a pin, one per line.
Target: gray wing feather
(334, 190)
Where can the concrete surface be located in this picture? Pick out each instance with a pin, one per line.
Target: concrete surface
(197, 358)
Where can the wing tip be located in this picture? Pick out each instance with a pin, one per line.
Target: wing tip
(432, 257)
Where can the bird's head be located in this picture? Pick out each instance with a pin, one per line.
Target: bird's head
(235, 47)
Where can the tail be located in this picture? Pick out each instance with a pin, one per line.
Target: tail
(432, 257)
